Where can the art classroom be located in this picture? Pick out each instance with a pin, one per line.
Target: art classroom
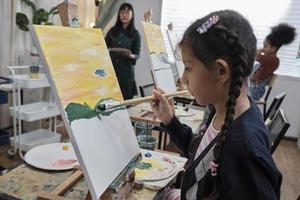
(149, 99)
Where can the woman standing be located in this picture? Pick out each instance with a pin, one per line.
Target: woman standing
(124, 43)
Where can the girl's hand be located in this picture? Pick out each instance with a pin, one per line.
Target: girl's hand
(162, 107)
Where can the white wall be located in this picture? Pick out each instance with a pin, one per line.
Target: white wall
(143, 67)
(291, 103)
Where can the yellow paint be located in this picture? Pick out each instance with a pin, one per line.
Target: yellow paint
(155, 164)
(72, 56)
(65, 148)
(154, 38)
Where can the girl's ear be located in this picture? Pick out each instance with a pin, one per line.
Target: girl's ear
(274, 48)
(222, 70)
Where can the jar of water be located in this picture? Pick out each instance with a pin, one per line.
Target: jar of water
(147, 142)
(34, 72)
(143, 133)
(143, 128)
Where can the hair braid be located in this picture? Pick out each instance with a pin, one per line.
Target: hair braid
(232, 39)
(237, 75)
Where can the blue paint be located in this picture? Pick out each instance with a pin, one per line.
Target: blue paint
(148, 155)
(100, 72)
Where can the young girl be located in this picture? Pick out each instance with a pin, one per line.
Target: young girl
(281, 34)
(230, 157)
(125, 44)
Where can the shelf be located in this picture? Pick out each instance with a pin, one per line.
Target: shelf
(35, 138)
(25, 81)
(35, 111)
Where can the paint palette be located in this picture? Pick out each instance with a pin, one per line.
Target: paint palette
(56, 156)
(154, 167)
(183, 112)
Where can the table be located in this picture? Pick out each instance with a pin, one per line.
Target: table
(25, 182)
(142, 113)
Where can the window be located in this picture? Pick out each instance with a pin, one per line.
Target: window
(262, 16)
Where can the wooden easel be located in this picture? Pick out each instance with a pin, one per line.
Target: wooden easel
(57, 193)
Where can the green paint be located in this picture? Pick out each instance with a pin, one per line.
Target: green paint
(78, 111)
(143, 165)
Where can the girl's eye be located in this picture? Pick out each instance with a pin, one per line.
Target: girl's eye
(187, 69)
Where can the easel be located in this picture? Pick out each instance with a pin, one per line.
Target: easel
(57, 193)
(121, 186)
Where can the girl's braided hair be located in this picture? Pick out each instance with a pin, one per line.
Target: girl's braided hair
(231, 39)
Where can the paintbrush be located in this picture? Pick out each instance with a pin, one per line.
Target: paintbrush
(135, 101)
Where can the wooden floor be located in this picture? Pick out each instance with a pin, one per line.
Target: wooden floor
(286, 156)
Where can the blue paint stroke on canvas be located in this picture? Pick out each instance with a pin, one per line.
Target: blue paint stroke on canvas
(100, 72)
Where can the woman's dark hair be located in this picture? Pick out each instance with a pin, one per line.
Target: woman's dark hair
(281, 34)
(231, 39)
(131, 28)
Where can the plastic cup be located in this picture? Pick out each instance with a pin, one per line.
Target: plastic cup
(34, 72)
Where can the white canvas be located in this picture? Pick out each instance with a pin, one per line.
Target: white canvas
(80, 73)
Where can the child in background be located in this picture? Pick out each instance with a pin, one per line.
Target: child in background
(281, 34)
(230, 157)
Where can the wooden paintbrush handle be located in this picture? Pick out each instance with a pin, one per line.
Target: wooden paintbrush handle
(151, 98)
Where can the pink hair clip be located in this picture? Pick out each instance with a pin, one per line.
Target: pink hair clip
(203, 127)
(208, 24)
(213, 168)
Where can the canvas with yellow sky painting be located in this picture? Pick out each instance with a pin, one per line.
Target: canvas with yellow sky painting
(161, 68)
(82, 76)
(154, 38)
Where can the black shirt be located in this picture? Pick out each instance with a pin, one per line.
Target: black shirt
(246, 171)
(124, 67)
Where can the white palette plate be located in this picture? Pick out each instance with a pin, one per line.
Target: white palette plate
(55, 156)
(161, 167)
(182, 112)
